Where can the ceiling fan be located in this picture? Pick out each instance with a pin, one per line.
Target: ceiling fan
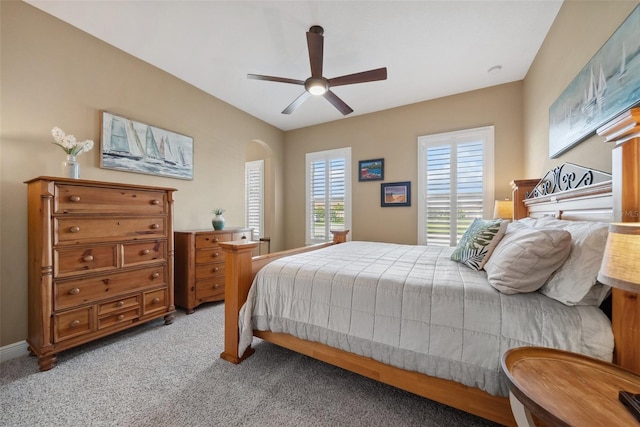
(319, 85)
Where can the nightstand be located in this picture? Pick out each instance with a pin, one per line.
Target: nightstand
(199, 265)
(563, 388)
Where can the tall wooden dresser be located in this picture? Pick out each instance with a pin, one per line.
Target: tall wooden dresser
(200, 265)
(100, 261)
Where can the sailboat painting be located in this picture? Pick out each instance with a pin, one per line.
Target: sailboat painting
(131, 146)
(607, 86)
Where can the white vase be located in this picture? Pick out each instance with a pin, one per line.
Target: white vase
(218, 222)
(71, 167)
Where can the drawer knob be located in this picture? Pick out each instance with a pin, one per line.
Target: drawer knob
(155, 226)
(74, 291)
(120, 316)
(216, 240)
(155, 300)
(155, 275)
(215, 269)
(74, 324)
(74, 229)
(155, 202)
(75, 199)
(216, 286)
(87, 258)
(144, 252)
(215, 254)
(120, 304)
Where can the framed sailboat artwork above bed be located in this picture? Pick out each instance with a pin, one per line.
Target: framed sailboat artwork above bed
(132, 146)
(607, 85)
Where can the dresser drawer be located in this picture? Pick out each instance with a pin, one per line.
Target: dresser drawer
(209, 270)
(73, 323)
(243, 235)
(210, 240)
(137, 253)
(73, 261)
(93, 289)
(119, 318)
(79, 199)
(209, 255)
(155, 301)
(210, 288)
(119, 305)
(83, 229)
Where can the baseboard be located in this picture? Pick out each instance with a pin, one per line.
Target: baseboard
(14, 350)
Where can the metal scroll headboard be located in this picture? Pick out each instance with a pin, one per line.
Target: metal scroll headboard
(567, 177)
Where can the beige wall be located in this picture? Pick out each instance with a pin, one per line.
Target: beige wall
(55, 75)
(392, 135)
(579, 31)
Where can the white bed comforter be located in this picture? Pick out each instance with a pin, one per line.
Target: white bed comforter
(413, 308)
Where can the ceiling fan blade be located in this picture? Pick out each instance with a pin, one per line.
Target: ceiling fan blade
(315, 43)
(365, 76)
(295, 104)
(337, 102)
(275, 79)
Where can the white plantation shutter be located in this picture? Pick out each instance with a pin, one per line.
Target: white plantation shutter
(328, 193)
(455, 185)
(254, 200)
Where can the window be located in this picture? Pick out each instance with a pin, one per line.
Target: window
(328, 193)
(455, 183)
(254, 201)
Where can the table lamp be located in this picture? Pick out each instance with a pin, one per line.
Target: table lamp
(621, 261)
(621, 269)
(503, 209)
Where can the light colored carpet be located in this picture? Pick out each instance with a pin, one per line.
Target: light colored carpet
(157, 375)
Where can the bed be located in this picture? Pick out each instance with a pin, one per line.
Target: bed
(463, 339)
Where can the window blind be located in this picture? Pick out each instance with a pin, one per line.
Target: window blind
(254, 199)
(456, 170)
(328, 193)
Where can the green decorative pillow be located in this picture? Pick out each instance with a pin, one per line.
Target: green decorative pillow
(477, 243)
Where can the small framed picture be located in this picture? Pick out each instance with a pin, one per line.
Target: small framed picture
(395, 194)
(371, 170)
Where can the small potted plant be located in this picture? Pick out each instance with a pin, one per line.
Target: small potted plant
(218, 221)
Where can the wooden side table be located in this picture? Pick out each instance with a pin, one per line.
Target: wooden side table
(199, 265)
(567, 389)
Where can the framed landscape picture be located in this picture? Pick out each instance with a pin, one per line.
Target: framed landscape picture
(132, 146)
(371, 170)
(395, 194)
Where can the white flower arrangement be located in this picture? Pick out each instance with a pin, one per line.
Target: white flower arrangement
(69, 143)
(218, 211)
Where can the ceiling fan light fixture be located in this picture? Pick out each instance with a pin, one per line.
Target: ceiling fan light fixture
(316, 86)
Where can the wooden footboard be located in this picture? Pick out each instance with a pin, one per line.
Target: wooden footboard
(240, 269)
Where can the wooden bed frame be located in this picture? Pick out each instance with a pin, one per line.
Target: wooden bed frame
(614, 200)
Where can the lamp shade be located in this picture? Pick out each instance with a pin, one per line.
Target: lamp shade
(621, 262)
(503, 209)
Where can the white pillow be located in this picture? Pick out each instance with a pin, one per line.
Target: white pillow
(574, 283)
(525, 258)
(477, 243)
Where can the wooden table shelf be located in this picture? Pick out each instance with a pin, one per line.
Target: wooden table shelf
(567, 389)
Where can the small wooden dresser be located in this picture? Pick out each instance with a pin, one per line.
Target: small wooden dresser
(200, 265)
(100, 261)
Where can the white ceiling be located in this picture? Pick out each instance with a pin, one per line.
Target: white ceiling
(430, 48)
